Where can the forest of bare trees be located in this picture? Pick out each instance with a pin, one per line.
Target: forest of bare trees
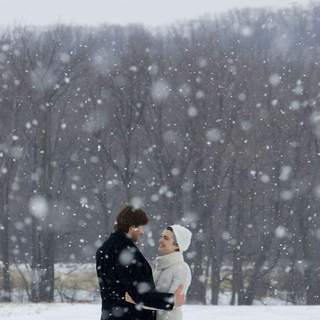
(212, 123)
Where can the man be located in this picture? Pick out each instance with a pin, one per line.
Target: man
(122, 268)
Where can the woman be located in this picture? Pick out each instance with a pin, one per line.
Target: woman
(170, 268)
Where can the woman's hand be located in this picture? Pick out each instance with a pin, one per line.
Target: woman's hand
(128, 298)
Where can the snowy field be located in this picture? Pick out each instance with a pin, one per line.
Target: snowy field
(92, 312)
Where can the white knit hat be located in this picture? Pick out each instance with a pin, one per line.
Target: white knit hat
(183, 236)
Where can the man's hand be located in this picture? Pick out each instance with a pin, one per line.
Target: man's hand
(179, 297)
(128, 298)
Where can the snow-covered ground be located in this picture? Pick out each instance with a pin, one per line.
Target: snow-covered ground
(92, 312)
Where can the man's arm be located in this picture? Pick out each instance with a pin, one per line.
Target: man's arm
(140, 291)
(179, 298)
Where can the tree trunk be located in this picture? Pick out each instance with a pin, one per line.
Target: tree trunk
(197, 290)
(6, 292)
(311, 279)
(215, 280)
(35, 262)
(47, 267)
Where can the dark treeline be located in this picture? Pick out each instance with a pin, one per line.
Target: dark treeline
(212, 123)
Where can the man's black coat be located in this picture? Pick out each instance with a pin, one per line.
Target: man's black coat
(121, 268)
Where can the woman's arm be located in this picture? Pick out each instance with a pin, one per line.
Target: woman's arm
(181, 277)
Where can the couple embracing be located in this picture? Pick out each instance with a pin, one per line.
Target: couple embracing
(130, 289)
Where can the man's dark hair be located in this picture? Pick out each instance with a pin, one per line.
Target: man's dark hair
(130, 217)
(174, 238)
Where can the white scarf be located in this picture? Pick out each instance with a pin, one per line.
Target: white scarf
(168, 260)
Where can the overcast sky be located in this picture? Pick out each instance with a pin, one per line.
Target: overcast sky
(149, 12)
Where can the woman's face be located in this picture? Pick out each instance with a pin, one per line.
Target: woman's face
(166, 242)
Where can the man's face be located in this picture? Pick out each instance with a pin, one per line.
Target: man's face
(136, 232)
